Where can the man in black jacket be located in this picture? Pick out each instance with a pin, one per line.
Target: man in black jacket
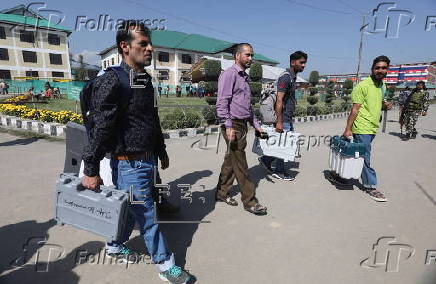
(124, 121)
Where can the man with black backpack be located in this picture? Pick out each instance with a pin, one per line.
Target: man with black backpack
(124, 121)
(284, 107)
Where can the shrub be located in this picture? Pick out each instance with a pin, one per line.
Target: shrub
(312, 100)
(179, 119)
(256, 88)
(313, 110)
(313, 91)
(348, 84)
(257, 112)
(256, 72)
(209, 115)
(300, 111)
(345, 106)
(337, 108)
(211, 101)
(325, 109)
(255, 100)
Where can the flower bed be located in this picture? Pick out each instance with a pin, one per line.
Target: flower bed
(42, 115)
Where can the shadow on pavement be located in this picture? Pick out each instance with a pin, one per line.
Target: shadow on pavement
(19, 141)
(179, 229)
(399, 135)
(429, 136)
(28, 256)
(257, 172)
(328, 177)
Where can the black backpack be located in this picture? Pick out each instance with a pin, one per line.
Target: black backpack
(86, 93)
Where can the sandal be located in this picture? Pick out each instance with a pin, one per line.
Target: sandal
(376, 195)
(256, 209)
(229, 200)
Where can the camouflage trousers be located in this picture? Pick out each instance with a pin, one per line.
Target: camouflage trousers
(410, 119)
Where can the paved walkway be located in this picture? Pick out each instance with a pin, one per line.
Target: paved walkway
(314, 232)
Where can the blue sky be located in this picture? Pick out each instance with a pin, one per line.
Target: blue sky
(327, 30)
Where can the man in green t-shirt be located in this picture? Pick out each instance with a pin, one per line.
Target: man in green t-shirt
(364, 121)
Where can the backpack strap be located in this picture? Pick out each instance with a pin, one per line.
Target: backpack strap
(123, 76)
(126, 90)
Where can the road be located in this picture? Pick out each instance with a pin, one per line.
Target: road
(314, 232)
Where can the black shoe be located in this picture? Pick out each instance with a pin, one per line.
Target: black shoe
(413, 135)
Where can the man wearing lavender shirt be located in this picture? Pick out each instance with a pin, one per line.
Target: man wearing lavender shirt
(234, 109)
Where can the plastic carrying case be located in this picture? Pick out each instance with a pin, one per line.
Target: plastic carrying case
(103, 213)
(346, 157)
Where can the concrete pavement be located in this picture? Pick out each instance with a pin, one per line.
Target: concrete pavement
(314, 232)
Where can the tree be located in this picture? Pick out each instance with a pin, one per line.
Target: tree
(81, 72)
(256, 72)
(312, 99)
(330, 93)
(391, 93)
(314, 78)
(348, 84)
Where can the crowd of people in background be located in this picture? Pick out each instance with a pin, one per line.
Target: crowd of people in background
(48, 93)
(4, 88)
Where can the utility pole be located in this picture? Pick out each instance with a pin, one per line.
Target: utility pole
(360, 48)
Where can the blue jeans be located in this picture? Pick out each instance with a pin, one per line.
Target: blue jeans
(369, 176)
(280, 164)
(137, 176)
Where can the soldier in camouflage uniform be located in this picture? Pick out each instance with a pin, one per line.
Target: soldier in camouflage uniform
(416, 104)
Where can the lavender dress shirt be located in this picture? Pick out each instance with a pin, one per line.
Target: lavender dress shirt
(234, 97)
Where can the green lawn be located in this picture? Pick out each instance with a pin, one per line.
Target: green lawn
(72, 105)
(57, 105)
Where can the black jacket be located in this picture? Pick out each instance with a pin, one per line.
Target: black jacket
(123, 123)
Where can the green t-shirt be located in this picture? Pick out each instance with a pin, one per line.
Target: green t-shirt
(370, 98)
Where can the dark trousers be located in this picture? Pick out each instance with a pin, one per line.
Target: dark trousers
(235, 166)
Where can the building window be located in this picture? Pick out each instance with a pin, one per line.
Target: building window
(55, 59)
(29, 56)
(164, 57)
(186, 59)
(54, 39)
(2, 33)
(5, 74)
(4, 55)
(57, 74)
(27, 36)
(163, 75)
(104, 64)
(113, 61)
(32, 74)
